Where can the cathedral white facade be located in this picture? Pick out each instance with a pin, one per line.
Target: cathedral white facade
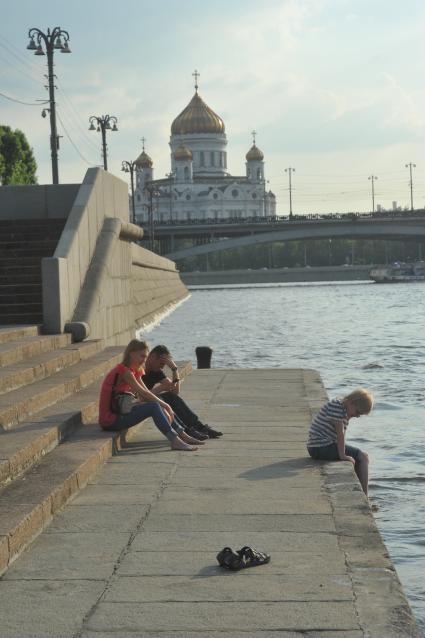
(199, 186)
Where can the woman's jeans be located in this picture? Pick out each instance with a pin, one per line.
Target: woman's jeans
(143, 411)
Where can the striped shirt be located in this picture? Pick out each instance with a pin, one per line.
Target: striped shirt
(322, 430)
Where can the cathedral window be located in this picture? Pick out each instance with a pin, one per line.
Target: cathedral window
(254, 195)
(188, 197)
(220, 155)
(215, 196)
(225, 160)
(212, 158)
(258, 173)
(202, 158)
(235, 192)
(138, 198)
(186, 173)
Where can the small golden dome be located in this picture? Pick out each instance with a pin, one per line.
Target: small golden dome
(254, 153)
(183, 153)
(197, 117)
(144, 161)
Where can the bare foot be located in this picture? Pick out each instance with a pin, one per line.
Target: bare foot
(190, 439)
(178, 444)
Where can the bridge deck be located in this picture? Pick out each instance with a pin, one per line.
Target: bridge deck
(134, 554)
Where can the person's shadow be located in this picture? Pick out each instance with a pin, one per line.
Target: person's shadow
(281, 469)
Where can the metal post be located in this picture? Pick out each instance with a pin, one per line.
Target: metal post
(103, 122)
(290, 170)
(104, 151)
(372, 178)
(130, 167)
(410, 166)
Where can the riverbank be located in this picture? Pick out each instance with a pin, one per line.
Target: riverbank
(277, 275)
(134, 553)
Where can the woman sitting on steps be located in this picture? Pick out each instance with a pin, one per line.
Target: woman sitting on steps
(125, 401)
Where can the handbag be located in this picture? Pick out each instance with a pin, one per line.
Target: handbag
(121, 402)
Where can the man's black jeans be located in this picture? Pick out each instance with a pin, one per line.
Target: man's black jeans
(181, 409)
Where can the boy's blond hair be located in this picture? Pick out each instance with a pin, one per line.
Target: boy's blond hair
(134, 346)
(362, 399)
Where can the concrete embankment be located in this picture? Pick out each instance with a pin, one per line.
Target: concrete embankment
(134, 553)
(276, 275)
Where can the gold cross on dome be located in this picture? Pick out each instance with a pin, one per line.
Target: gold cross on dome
(253, 133)
(196, 75)
(143, 140)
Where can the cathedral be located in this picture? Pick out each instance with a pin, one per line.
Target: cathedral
(199, 186)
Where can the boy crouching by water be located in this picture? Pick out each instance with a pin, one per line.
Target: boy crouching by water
(326, 439)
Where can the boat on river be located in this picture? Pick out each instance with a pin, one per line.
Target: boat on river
(398, 273)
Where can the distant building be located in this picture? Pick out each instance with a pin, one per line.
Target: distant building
(199, 186)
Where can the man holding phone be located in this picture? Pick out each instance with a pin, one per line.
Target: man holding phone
(169, 388)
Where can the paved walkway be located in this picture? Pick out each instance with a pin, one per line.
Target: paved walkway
(134, 553)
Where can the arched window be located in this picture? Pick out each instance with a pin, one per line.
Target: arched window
(202, 158)
(186, 173)
(258, 173)
(212, 158)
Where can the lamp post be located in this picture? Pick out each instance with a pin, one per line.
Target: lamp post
(171, 178)
(103, 124)
(130, 167)
(56, 39)
(290, 170)
(410, 165)
(153, 192)
(372, 178)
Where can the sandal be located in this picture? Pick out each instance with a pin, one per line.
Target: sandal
(251, 557)
(228, 559)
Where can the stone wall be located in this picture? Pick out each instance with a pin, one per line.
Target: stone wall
(99, 283)
(37, 202)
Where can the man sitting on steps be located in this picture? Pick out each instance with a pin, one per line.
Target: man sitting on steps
(169, 389)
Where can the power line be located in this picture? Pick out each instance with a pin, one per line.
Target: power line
(72, 142)
(7, 97)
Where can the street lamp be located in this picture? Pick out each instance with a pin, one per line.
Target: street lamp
(103, 124)
(410, 166)
(171, 178)
(290, 170)
(130, 167)
(153, 192)
(56, 39)
(372, 178)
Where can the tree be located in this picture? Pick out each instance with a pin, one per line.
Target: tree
(17, 163)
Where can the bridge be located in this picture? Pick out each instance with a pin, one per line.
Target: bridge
(213, 236)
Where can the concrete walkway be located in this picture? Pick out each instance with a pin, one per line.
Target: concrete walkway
(134, 553)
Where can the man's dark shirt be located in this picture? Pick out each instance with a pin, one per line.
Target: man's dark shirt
(152, 378)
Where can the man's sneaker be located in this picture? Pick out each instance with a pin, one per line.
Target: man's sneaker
(195, 434)
(209, 431)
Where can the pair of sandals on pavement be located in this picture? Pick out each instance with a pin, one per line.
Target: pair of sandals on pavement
(242, 558)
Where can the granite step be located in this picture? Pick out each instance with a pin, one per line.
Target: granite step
(26, 347)
(13, 332)
(45, 364)
(17, 406)
(28, 442)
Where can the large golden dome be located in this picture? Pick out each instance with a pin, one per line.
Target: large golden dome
(254, 153)
(197, 117)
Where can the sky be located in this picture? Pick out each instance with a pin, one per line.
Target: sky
(334, 88)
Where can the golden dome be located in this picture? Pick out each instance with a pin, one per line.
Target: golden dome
(197, 117)
(144, 161)
(183, 153)
(254, 153)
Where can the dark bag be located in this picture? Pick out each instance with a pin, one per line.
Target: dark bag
(121, 402)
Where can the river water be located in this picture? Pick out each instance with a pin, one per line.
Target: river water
(355, 334)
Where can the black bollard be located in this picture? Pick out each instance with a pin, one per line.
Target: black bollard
(203, 356)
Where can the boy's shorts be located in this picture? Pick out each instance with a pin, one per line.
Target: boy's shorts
(330, 452)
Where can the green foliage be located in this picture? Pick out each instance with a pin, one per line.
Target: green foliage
(17, 163)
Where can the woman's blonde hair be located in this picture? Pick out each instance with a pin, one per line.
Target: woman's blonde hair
(362, 399)
(134, 346)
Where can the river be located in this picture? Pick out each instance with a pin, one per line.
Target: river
(355, 334)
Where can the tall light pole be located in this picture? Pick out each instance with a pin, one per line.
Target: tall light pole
(372, 178)
(290, 170)
(56, 39)
(410, 166)
(131, 167)
(152, 192)
(171, 178)
(103, 124)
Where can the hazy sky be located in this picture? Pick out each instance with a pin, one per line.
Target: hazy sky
(334, 88)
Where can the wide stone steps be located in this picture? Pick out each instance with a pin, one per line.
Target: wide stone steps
(17, 405)
(23, 244)
(50, 440)
(46, 364)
